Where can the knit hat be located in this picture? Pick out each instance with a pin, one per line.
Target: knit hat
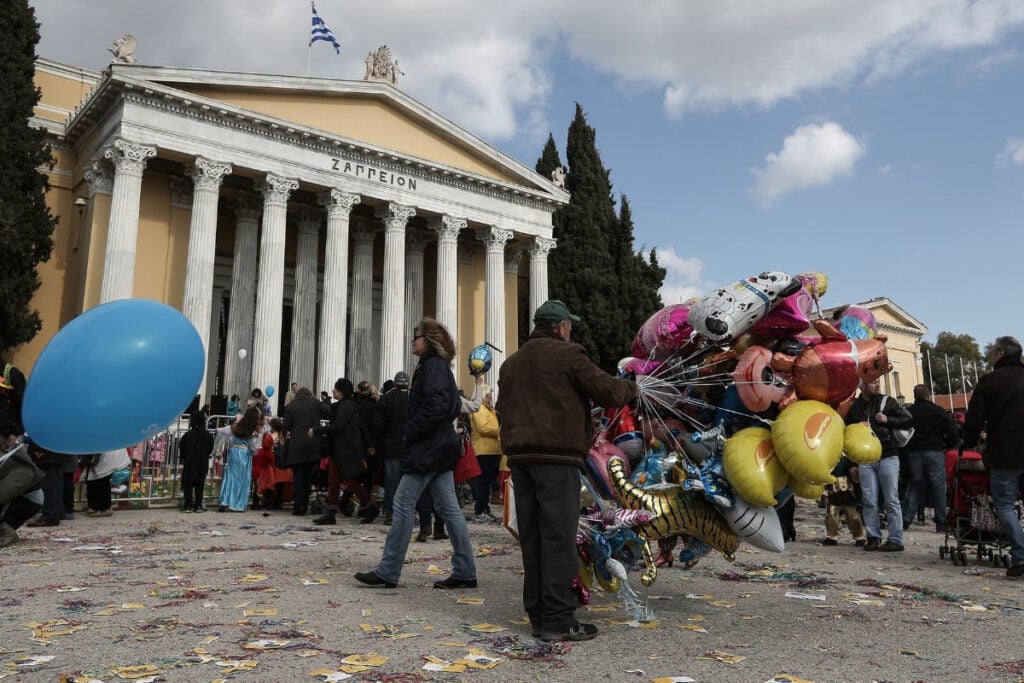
(402, 379)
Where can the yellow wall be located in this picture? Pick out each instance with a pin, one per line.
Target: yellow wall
(360, 118)
(59, 92)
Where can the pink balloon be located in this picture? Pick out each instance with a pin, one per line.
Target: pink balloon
(789, 317)
(664, 333)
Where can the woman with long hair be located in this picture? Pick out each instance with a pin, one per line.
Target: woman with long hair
(432, 449)
(234, 488)
(349, 440)
(303, 448)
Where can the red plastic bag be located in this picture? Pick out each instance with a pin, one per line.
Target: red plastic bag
(467, 467)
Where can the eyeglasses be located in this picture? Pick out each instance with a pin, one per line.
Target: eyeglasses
(417, 336)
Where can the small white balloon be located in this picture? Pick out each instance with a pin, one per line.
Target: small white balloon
(242, 353)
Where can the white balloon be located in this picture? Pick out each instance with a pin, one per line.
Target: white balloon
(242, 353)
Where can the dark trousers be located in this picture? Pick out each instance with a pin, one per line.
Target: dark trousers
(488, 473)
(302, 474)
(425, 508)
(548, 510)
(193, 483)
(18, 511)
(53, 494)
(69, 492)
(353, 487)
(97, 493)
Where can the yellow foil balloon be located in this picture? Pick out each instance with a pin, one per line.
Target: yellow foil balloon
(802, 489)
(808, 437)
(752, 468)
(861, 445)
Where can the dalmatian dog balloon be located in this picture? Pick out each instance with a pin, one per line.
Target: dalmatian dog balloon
(730, 311)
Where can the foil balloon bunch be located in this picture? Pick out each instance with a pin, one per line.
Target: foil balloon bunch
(741, 399)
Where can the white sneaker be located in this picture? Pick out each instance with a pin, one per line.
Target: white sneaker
(487, 518)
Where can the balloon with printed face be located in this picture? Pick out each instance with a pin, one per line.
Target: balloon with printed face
(110, 356)
(808, 438)
(480, 360)
(730, 311)
(752, 467)
(664, 333)
(861, 445)
(829, 370)
(757, 382)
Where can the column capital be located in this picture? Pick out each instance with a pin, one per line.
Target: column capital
(395, 216)
(416, 241)
(208, 175)
(363, 231)
(337, 202)
(100, 177)
(309, 221)
(129, 157)
(512, 259)
(447, 227)
(181, 193)
(540, 247)
(277, 189)
(494, 238)
(248, 207)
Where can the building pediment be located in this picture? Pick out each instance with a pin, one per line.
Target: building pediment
(370, 115)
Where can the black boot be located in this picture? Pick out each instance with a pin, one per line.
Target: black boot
(369, 513)
(329, 517)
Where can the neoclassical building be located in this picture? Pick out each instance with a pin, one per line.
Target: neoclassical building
(308, 222)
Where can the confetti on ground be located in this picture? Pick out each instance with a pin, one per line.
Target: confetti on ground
(787, 678)
(438, 664)
(470, 601)
(487, 628)
(31, 660)
(330, 675)
(719, 656)
(315, 582)
(132, 673)
(253, 578)
(799, 595)
(692, 627)
(369, 659)
(674, 679)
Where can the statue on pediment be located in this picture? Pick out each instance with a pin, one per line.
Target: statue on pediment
(382, 66)
(558, 177)
(123, 50)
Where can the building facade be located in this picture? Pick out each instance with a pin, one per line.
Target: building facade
(303, 225)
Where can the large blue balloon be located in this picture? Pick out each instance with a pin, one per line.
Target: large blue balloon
(112, 377)
(269, 391)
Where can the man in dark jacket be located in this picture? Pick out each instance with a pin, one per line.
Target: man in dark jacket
(302, 414)
(389, 425)
(934, 432)
(881, 479)
(544, 395)
(997, 406)
(12, 393)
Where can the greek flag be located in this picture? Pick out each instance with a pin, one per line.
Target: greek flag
(322, 32)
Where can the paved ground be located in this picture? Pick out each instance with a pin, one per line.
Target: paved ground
(196, 597)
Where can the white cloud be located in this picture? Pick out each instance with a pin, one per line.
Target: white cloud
(1013, 153)
(683, 277)
(811, 156)
(488, 65)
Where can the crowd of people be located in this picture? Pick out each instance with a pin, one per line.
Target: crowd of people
(408, 440)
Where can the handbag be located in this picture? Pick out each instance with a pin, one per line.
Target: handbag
(508, 509)
(18, 474)
(467, 467)
(843, 492)
(901, 436)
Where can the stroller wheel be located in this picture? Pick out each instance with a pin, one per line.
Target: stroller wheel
(953, 556)
(1006, 560)
(963, 558)
(942, 551)
(996, 561)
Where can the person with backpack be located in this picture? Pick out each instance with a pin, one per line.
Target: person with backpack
(879, 481)
(194, 448)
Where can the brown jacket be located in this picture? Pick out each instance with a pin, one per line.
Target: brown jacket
(544, 394)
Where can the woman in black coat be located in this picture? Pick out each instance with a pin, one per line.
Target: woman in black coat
(349, 440)
(300, 416)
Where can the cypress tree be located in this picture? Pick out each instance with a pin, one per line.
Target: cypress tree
(26, 225)
(581, 269)
(549, 159)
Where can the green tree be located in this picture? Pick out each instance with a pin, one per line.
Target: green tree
(945, 357)
(26, 224)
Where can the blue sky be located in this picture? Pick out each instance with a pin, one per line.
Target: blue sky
(881, 142)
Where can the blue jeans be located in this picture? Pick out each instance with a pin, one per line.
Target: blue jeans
(882, 478)
(392, 475)
(1004, 485)
(927, 481)
(442, 488)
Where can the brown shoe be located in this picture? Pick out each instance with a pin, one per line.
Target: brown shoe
(40, 521)
(890, 547)
(872, 544)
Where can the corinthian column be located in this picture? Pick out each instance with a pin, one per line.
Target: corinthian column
(303, 351)
(129, 161)
(415, 244)
(362, 299)
(539, 249)
(237, 372)
(334, 308)
(266, 347)
(392, 337)
(495, 238)
(207, 177)
(447, 229)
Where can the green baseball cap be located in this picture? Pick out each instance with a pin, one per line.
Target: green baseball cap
(552, 312)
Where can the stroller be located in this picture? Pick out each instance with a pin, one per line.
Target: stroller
(972, 526)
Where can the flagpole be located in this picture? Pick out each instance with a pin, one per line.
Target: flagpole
(949, 385)
(931, 377)
(309, 48)
(963, 382)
